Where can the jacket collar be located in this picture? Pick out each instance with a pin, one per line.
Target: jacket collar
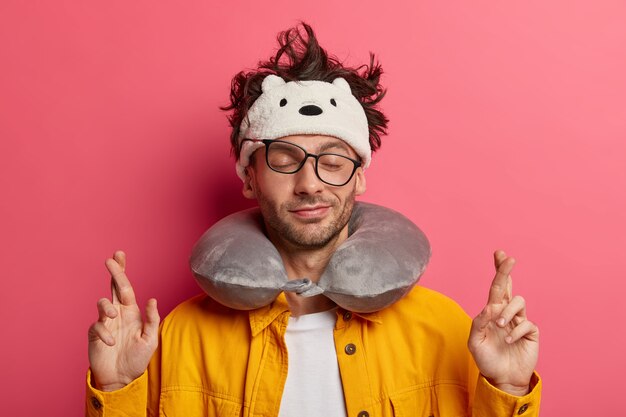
(260, 318)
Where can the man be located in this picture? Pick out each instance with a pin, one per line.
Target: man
(307, 356)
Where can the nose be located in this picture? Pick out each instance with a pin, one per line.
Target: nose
(310, 110)
(307, 181)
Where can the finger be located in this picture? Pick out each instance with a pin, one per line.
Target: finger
(500, 285)
(98, 331)
(482, 320)
(509, 288)
(526, 329)
(121, 290)
(515, 309)
(478, 330)
(120, 258)
(498, 256)
(106, 310)
(151, 325)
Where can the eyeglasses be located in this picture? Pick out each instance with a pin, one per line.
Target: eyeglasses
(289, 158)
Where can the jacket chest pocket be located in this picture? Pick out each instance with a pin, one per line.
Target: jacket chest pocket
(440, 400)
(196, 403)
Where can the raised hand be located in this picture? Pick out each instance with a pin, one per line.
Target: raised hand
(505, 345)
(120, 342)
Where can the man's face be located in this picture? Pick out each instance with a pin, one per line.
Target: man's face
(299, 209)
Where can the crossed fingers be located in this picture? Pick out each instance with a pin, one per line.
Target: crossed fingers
(514, 312)
(121, 289)
(121, 294)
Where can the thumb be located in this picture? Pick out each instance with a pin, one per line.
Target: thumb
(477, 331)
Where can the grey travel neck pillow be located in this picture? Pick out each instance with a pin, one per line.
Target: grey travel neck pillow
(381, 260)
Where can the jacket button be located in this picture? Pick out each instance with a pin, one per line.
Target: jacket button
(363, 414)
(522, 409)
(347, 316)
(96, 403)
(350, 350)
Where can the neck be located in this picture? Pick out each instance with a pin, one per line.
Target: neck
(303, 262)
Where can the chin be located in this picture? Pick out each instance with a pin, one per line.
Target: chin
(313, 235)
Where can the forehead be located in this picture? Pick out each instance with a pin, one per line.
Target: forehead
(320, 143)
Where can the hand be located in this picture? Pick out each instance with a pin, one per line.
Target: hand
(120, 342)
(505, 345)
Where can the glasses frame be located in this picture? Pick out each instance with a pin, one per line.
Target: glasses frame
(268, 142)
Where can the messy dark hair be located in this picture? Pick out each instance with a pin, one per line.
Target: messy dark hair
(302, 58)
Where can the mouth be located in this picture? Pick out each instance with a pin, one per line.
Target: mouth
(311, 212)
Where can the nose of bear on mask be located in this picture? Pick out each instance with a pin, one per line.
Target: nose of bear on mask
(310, 110)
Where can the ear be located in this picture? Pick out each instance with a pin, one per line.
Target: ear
(343, 84)
(248, 185)
(271, 81)
(360, 185)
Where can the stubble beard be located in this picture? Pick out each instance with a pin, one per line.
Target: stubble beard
(316, 235)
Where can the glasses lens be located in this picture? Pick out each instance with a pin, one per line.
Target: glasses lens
(284, 157)
(334, 169)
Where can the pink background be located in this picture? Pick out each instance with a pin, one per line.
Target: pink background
(508, 130)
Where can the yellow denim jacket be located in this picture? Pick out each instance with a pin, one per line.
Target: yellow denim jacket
(410, 359)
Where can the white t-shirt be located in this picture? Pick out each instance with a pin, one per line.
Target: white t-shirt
(313, 387)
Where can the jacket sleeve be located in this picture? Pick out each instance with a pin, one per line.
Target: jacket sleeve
(491, 402)
(130, 401)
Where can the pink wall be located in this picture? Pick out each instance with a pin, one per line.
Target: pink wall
(508, 130)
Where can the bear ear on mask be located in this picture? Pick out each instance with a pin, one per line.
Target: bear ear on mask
(271, 81)
(381, 260)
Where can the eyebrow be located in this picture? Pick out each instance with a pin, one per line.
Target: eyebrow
(329, 145)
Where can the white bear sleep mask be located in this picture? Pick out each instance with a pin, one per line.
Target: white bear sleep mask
(381, 260)
(304, 108)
